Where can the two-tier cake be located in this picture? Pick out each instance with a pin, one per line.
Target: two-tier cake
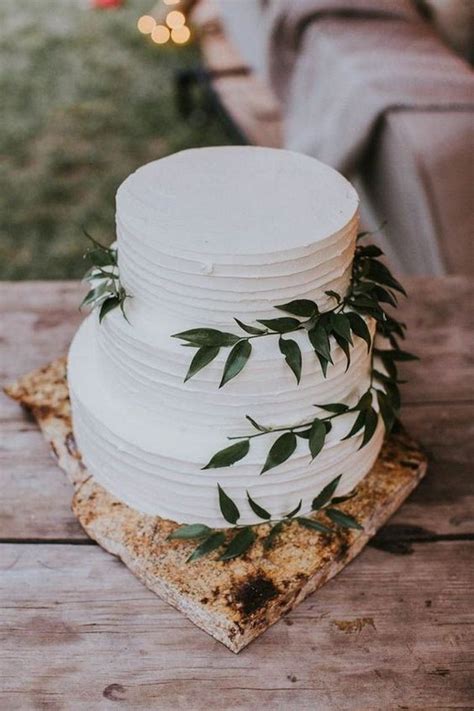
(205, 237)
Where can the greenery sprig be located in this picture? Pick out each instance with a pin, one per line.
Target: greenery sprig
(314, 432)
(106, 292)
(372, 285)
(244, 537)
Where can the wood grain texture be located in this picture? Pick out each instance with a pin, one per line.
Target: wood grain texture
(377, 637)
(128, 645)
(438, 406)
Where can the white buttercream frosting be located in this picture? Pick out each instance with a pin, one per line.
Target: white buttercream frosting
(205, 236)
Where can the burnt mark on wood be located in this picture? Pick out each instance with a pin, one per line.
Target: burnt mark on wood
(399, 538)
(114, 692)
(42, 412)
(71, 445)
(54, 450)
(254, 593)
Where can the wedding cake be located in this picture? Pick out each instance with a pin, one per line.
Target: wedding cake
(216, 349)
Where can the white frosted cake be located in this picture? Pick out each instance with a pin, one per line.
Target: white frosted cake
(203, 237)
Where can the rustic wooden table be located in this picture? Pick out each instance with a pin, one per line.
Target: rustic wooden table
(393, 630)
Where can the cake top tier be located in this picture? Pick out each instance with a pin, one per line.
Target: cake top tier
(235, 200)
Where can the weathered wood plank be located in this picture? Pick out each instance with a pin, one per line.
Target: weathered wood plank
(440, 321)
(78, 631)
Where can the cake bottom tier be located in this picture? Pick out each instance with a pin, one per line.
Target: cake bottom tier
(155, 466)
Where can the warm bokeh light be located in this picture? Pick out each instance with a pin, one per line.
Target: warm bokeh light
(145, 24)
(175, 19)
(171, 2)
(160, 34)
(180, 35)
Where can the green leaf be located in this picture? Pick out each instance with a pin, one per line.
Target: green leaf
(107, 306)
(317, 437)
(342, 519)
(274, 532)
(314, 525)
(280, 451)
(215, 540)
(358, 424)
(345, 347)
(253, 330)
(255, 424)
(323, 363)
(240, 543)
(294, 511)
(101, 257)
(236, 360)
(207, 337)
(326, 494)
(228, 456)
(394, 394)
(342, 499)
(202, 357)
(389, 364)
(319, 339)
(365, 401)
(192, 530)
(228, 509)
(333, 295)
(370, 250)
(341, 327)
(95, 295)
(281, 325)
(386, 410)
(379, 273)
(382, 377)
(304, 434)
(371, 422)
(291, 350)
(336, 407)
(385, 296)
(257, 509)
(397, 354)
(360, 328)
(299, 307)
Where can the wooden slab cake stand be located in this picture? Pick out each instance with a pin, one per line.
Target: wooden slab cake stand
(237, 600)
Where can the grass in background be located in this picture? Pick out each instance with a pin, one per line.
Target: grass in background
(85, 100)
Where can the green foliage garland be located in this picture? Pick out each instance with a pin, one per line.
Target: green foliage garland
(106, 292)
(245, 536)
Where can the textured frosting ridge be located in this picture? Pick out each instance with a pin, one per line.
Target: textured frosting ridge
(205, 236)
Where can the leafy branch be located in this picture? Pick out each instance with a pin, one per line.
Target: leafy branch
(244, 537)
(314, 432)
(106, 292)
(372, 286)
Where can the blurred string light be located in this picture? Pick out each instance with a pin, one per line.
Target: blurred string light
(180, 35)
(146, 24)
(175, 28)
(175, 19)
(160, 34)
